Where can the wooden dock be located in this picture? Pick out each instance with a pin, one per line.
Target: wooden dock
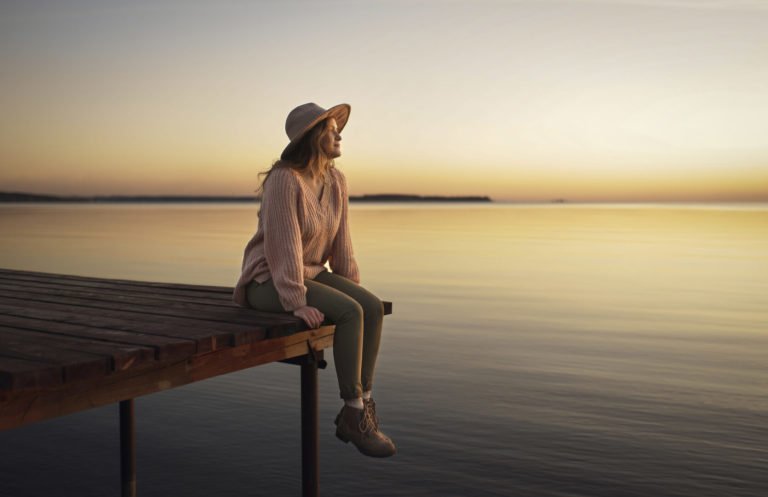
(70, 343)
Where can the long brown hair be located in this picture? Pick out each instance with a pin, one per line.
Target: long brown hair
(307, 155)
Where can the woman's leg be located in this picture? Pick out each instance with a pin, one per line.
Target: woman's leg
(352, 316)
(373, 318)
(340, 309)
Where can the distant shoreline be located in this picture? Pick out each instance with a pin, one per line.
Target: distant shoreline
(21, 197)
(387, 197)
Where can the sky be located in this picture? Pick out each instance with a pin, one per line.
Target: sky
(587, 100)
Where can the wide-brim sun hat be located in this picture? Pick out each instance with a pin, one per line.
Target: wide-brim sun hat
(306, 116)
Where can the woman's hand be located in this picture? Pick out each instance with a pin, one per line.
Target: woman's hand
(310, 315)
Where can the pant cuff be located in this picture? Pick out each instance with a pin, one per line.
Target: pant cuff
(351, 393)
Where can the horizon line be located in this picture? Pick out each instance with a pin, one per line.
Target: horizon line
(26, 197)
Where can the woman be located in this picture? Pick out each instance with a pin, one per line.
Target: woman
(303, 225)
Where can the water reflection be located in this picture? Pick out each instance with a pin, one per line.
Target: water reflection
(533, 350)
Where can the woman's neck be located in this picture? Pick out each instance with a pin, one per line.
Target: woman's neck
(313, 174)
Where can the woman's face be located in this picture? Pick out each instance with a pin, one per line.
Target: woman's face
(331, 141)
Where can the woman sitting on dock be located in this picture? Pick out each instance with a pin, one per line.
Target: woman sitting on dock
(303, 223)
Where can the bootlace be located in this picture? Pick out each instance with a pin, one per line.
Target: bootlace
(370, 405)
(368, 423)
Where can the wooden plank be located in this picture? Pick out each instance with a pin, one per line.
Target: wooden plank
(204, 294)
(117, 293)
(163, 346)
(239, 321)
(212, 299)
(19, 408)
(27, 374)
(50, 348)
(207, 336)
(202, 343)
(73, 365)
(212, 294)
(17, 273)
(183, 305)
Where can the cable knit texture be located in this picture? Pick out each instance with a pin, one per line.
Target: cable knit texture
(296, 235)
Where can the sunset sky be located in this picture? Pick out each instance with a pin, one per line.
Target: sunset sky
(519, 100)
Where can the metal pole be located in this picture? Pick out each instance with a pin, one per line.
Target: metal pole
(127, 449)
(310, 441)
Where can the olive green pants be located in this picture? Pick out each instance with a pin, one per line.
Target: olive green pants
(358, 315)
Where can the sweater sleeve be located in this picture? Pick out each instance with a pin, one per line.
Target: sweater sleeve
(342, 258)
(282, 238)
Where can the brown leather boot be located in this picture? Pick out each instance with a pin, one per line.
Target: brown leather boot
(358, 426)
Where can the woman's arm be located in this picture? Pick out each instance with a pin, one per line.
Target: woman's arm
(282, 238)
(342, 258)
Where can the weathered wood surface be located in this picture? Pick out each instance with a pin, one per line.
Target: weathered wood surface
(69, 343)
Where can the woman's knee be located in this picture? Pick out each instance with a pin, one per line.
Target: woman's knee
(337, 306)
(350, 310)
(371, 304)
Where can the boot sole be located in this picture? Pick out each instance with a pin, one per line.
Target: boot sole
(346, 439)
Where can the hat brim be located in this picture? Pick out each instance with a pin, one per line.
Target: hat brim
(339, 112)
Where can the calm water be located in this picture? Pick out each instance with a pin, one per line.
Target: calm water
(551, 350)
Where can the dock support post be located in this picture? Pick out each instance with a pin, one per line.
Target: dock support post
(127, 449)
(310, 442)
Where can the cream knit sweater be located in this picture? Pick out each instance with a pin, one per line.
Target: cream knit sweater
(296, 235)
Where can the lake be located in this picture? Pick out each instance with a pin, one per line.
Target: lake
(534, 350)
